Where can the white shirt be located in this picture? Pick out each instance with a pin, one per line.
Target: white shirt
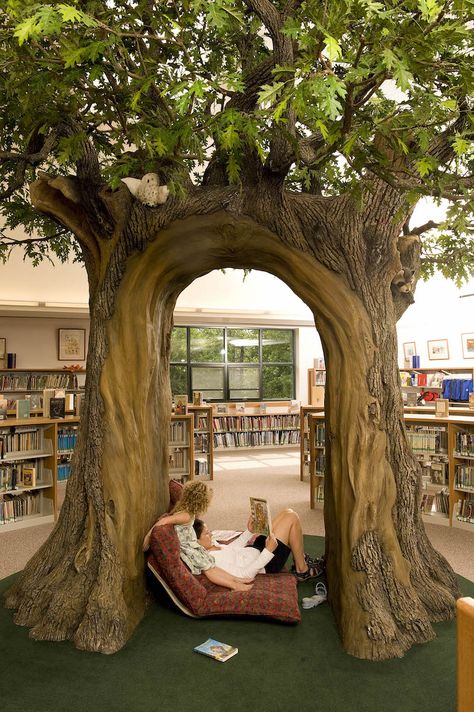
(240, 560)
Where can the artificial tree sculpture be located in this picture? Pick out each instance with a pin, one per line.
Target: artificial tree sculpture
(295, 138)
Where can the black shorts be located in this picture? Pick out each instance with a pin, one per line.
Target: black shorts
(280, 555)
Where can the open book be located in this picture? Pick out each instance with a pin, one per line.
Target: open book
(260, 512)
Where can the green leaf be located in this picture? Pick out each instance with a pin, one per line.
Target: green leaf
(26, 30)
(332, 48)
(461, 146)
(268, 92)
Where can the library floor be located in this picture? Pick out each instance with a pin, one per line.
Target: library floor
(273, 474)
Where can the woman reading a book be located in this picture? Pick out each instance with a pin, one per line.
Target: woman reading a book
(266, 554)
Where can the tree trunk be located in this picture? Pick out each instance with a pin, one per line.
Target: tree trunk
(385, 581)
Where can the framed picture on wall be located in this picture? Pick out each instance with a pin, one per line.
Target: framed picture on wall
(71, 344)
(467, 345)
(409, 350)
(438, 349)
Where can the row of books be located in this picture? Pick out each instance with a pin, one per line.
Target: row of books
(64, 470)
(15, 507)
(428, 440)
(464, 476)
(435, 473)
(67, 438)
(255, 438)
(178, 432)
(320, 464)
(178, 458)
(320, 435)
(433, 503)
(201, 422)
(319, 493)
(465, 443)
(465, 510)
(201, 468)
(36, 382)
(255, 422)
(20, 440)
(19, 475)
(201, 442)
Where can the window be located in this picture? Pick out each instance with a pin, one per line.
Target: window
(229, 364)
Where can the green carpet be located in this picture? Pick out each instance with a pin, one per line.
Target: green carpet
(278, 668)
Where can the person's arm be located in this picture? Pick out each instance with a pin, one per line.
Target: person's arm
(177, 518)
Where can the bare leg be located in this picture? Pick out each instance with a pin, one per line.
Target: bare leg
(223, 578)
(287, 528)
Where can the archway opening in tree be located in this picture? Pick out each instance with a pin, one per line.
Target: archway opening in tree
(378, 554)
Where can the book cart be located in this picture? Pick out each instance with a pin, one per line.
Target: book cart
(203, 441)
(444, 448)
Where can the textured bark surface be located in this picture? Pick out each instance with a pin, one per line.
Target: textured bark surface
(386, 583)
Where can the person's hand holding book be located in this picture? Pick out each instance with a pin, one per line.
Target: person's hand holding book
(271, 542)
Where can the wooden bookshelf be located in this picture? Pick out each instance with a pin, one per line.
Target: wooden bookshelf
(305, 412)
(435, 443)
(18, 383)
(203, 441)
(181, 448)
(255, 428)
(31, 443)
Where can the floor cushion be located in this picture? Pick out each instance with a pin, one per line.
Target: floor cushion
(272, 595)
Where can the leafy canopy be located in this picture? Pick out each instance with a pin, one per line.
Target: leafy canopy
(352, 88)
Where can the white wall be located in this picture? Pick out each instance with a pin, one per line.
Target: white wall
(35, 340)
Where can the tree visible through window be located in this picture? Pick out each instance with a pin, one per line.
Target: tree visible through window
(233, 363)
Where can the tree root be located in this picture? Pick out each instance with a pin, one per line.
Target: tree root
(396, 619)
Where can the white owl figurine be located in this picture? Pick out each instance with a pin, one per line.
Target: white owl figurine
(147, 190)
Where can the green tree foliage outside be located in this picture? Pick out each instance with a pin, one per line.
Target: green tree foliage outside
(243, 346)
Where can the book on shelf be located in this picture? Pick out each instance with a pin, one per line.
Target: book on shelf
(197, 398)
(471, 401)
(217, 650)
(35, 402)
(3, 408)
(29, 476)
(70, 402)
(181, 405)
(263, 408)
(240, 407)
(23, 407)
(260, 513)
(442, 407)
(221, 408)
(48, 393)
(57, 407)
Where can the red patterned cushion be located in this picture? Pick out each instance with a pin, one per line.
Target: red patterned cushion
(272, 595)
(176, 490)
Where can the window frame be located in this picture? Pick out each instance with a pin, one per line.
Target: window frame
(227, 366)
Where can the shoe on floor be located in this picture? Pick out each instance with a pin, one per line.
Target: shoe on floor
(317, 562)
(320, 596)
(311, 573)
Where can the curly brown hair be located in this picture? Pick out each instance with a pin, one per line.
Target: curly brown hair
(195, 499)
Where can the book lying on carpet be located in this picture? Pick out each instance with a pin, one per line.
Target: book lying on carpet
(215, 649)
(260, 513)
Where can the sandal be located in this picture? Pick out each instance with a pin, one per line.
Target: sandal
(320, 596)
(310, 573)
